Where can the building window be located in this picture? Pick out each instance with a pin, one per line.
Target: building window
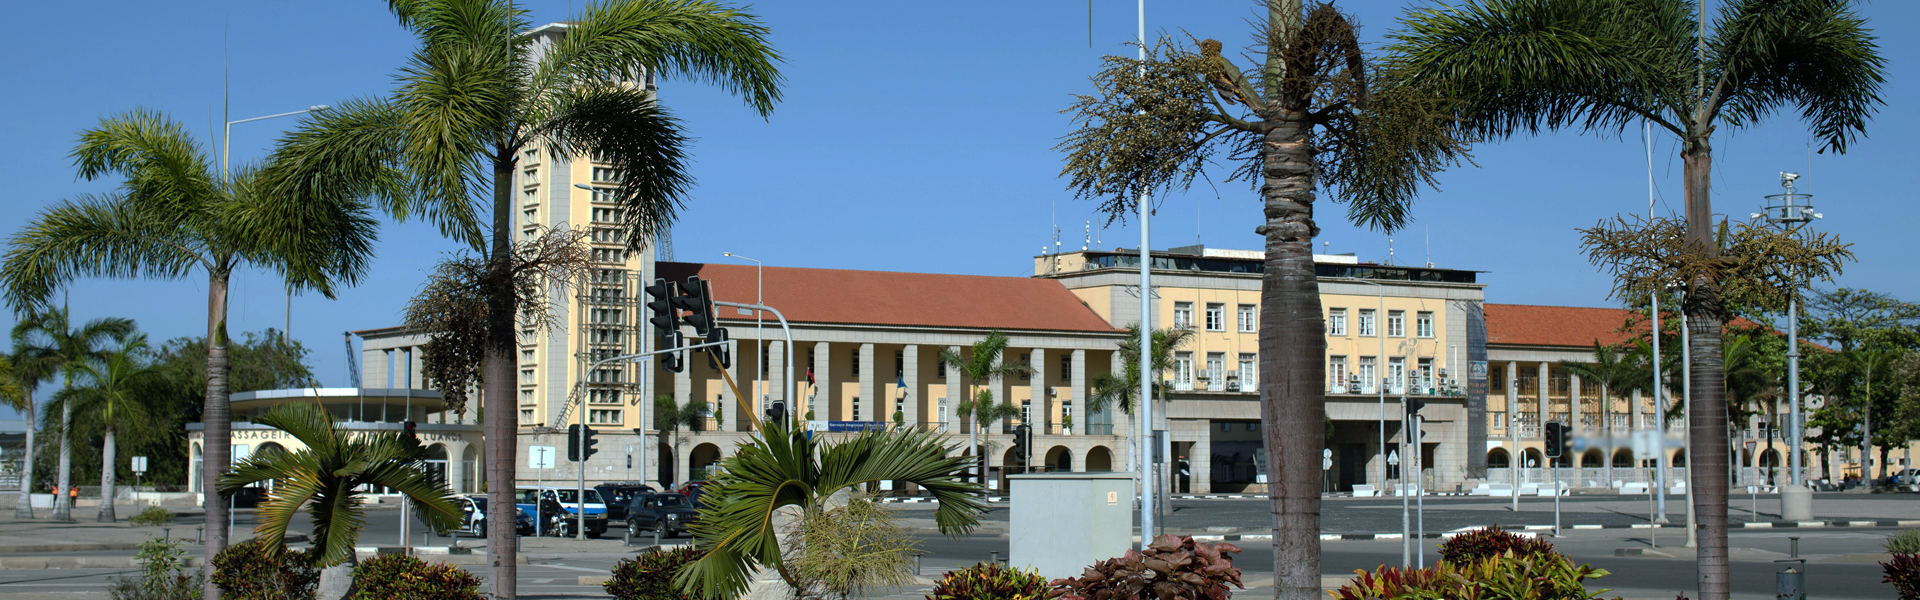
(1027, 373)
(603, 417)
(1248, 322)
(607, 215)
(856, 409)
(1337, 322)
(532, 155)
(1225, 427)
(1249, 371)
(526, 418)
(1396, 323)
(1216, 371)
(943, 413)
(942, 368)
(532, 216)
(1367, 375)
(1183, 370)
(1397, 374)
(526, 377)
(526, 397)
(1366, 322)
(526, 356)
(899, 364)
(1496, 379)
(1423, 324)
(532, 177)
(1337, 373)
(1425, 383)
(603, 396)
(530, 197)
(1183, 315)
(854, 362)
(1066, 368)
(1253, 426)
(1216, 316)
(606, 175)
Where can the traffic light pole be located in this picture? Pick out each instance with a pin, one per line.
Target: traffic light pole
(580, 469)
(790, 384)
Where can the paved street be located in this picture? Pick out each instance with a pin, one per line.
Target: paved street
(1842, 560)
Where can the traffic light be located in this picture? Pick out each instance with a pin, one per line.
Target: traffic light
(1414, 404)
(665, 319)
(1021, 442)
(573, 443)
(696, 297)
(1556, 439)
(589, 440)
(777, 413)
(410, 433)
(719, 356)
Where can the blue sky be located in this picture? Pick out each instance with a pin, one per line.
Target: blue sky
(913, 137)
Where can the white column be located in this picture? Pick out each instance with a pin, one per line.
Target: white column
(683, 385)
(910, 359)
(871, 408)
(1079, 390)
(457, 466)
(777, 374)
(1573, 407)
(1037, 384)
(821, 400)
(954, 393)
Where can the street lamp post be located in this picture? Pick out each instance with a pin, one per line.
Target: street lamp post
(226, 150)
(1790, 211)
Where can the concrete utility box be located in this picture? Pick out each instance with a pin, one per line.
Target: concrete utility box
(1061, 523)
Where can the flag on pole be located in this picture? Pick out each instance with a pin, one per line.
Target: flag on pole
(809, 375)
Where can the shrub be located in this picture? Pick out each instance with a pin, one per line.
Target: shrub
(1904, 573)
(152, 516)
(1510, 576)
(990, 581)
(1486, 543)
(166, 577)
(264, 570)
(649, 576)
(851, 550)
(1172, 567)
(398, 576)
(1905, 542)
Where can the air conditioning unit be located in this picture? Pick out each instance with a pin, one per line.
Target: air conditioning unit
(1353, 384)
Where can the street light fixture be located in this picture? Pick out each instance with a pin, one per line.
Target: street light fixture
(1790, 211)
(226, 150)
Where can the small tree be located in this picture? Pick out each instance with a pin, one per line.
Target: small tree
(852, 550)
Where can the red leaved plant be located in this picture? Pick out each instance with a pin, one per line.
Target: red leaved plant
(1172, 568)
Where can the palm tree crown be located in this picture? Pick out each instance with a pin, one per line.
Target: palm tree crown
(106, 393)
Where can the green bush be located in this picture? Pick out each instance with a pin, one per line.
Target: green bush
(649, 576)
(152, 516)
(166, 576)
(402, 577)
(261, 570)
(990, 581)
(1905, 542)
(1904, 573)
(1172, 567)
(1481, 544)
(1510, 576)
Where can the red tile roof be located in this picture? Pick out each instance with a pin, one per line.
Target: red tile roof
(1530, 325)
(903, 299)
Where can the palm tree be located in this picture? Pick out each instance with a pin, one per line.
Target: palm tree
(980, 366)
(1116, 391)
(1523, 66)
(329, 477)
(50, 344)
(786, 467)
(983, 412)
(1615, 371)
(174, 215)
(669, 417)
(25, 374)
(480, 90)
(107, 394)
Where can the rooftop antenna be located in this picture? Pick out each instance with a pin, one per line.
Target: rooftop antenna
(1088, 238)
(1429, 246)
(1389, 251)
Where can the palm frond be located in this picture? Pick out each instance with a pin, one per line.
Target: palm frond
(627, 128)
(633, 39)
(94, 236)
(1817, 55)
(162, 164)
(314, 242)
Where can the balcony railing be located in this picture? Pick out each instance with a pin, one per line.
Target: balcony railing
(1097, 428)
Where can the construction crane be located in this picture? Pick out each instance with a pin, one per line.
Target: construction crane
(353, 370)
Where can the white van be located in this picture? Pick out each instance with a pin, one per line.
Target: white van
(528, 497)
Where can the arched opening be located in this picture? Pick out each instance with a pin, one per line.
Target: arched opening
(469, 469)
(1060, 459)
(665, 461)
(1623, 459)
(1592, 459)
(193, 476)
(264, 450)
(269, 447)
(437, 463)
(1099, 459)
(1769, 459)
(701, 460)
(1533, 459)
(1498, 458)
(1679, 458)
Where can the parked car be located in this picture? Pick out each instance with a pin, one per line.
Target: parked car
(1905, 477)
(617, 495)
(559, 505)
(668, 514)
(474, 518)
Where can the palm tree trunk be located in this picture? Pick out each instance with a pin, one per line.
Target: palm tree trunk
(106, 478)
(1707, 404)
(503, 414)
(1292, 352)
(216, 428)
(24, 510)
(63, 496)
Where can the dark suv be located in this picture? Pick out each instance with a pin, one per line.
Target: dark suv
(617, 495)
(668, 514)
